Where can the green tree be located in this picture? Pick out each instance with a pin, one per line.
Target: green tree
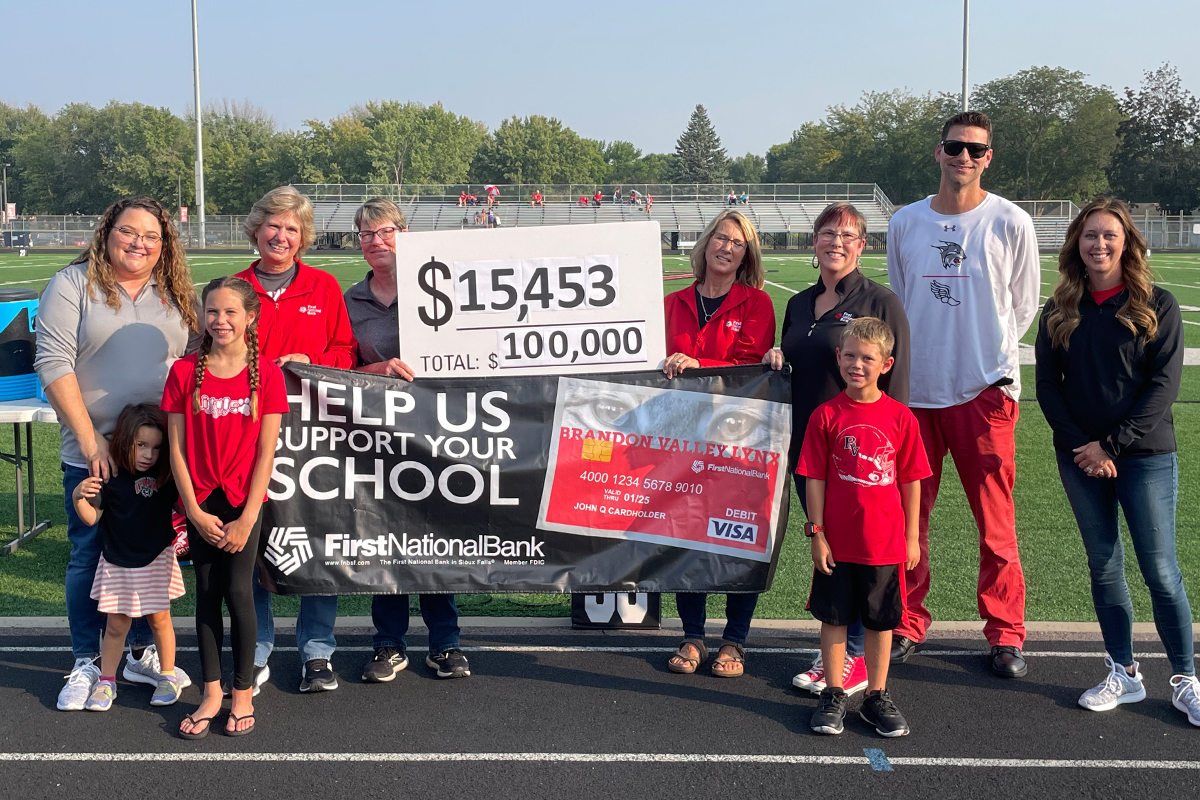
(538, 149)
(699, 157)
(1159, 157)
(414, 143)
(17, 124)
(749, 168)
(238, 146)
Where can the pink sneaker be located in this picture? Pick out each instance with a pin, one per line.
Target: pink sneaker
(815, 674)
(854, 676)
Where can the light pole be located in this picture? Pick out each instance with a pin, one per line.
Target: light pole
(966, 48)
(199, 119)
(4, 205)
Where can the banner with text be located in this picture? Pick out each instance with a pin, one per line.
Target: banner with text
(618, 482)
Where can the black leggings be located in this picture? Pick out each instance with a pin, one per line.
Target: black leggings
(229, 577)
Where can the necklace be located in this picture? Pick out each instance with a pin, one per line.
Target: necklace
(704, 308)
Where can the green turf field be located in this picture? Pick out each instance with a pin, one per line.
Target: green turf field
(31, 580)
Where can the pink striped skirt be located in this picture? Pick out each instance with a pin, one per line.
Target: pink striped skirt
(141, 591)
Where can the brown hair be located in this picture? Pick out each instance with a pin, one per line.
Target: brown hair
(172, 273)
(123, 448)
(841, 213)
(750, 271)
(252, 305)
(871, 330)
(1136, 313)
(969, 119)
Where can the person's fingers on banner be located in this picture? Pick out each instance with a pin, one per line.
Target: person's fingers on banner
(677, 363)
(398, 369)
(774, 357)
(297, 357)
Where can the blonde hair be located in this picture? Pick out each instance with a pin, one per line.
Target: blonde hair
(252, 305)
(750, 271)
(1136, 313)
(283, 200)
(873, 331)
(378, 209)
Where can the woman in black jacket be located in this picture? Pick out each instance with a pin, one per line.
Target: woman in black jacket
(1109, 360)
(812, 332)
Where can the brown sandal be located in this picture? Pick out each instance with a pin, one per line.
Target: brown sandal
(727, 666)
(686, 664)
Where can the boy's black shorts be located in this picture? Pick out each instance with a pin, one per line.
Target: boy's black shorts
(874, 594)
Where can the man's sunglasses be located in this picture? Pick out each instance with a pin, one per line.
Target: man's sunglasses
(952, 148)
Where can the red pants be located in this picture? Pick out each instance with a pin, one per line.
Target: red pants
(979, 435)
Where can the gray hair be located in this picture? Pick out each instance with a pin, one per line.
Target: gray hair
(379, 209)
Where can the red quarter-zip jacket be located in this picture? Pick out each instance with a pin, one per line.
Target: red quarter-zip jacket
(741, 332)
(308, 318)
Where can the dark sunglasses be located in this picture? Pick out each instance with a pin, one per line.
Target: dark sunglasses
(952, 148)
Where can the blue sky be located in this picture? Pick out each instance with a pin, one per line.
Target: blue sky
(610, 70)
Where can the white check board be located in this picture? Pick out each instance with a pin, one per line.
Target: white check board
(531, 301)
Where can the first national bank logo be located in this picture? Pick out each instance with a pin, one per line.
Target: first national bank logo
(288, 549)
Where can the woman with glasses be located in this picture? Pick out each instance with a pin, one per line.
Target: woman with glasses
(812, 331)
(109, 326)
(375, 318)
(723, 318)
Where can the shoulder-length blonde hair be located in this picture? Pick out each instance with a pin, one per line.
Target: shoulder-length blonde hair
(1136, 314)
(283, 200)
(750, 271)
(171, 273)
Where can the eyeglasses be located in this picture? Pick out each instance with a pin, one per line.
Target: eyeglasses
(722, 240)
(829, 237)
(129, 236)
(384, 234)
(953, 147)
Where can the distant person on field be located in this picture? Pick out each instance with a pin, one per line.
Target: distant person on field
(863, 461)
(109, 327)
(744, 199)
(462, 198)
(732, 199)
(649, 203)
(965, 264)
(537, 199)
(617, 196)
(598, 198)
(1109, 363)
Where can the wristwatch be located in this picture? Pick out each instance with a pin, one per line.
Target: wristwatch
(811, 530)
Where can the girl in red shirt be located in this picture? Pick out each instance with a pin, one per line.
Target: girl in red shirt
(224, 405)
(723, 318)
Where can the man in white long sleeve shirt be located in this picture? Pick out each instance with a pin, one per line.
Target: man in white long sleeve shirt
(965, 265)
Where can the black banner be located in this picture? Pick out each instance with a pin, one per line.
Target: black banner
(621, 482)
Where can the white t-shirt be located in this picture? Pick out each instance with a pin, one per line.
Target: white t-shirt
(970, 288)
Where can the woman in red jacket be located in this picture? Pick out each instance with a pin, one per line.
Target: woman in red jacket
(723, 318)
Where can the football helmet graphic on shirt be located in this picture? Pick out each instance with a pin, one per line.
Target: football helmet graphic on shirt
(864, 455)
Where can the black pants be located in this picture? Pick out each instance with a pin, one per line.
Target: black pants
(229, 577)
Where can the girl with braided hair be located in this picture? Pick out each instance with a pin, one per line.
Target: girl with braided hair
(224, 404)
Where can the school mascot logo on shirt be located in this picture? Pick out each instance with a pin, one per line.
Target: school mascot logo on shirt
(952, 254)
(288, 549)
(145, 486)
(865, 456)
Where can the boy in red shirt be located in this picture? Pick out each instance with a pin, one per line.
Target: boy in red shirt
(864, 462)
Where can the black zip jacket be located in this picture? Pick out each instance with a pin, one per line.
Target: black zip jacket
(808, 344)
(1109, 386)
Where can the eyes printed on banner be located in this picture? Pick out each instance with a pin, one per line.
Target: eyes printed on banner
(736, 425)
(605, 410)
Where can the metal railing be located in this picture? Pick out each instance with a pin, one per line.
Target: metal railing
(47, 230)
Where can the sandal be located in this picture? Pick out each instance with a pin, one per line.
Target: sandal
(727, 666)
(684, 664)
(192, 734)
(236, 719)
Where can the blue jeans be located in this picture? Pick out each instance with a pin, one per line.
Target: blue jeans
(739, 610)
(314, 626)
(1146, 488)
(389, 612)
(856, 633)
(83, 616)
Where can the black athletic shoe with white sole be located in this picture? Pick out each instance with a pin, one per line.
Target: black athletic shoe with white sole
(450, 664)
(384, 666)
(830, 714)
(881, 713)
(318, 676)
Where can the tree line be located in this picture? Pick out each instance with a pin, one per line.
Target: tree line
(1057, 137)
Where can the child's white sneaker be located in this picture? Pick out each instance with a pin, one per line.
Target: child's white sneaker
(1186, 696)
(146, 669)
(80, 683)
(815, 673)
(167, 691)
(1118, 688)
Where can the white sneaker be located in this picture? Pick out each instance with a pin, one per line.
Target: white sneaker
(1118, 688)
(1186, 696)
(83, 678)
(146, 669)
(815, 673)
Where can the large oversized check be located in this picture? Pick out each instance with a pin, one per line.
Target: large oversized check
(531, 301)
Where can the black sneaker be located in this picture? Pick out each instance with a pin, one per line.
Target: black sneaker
(261, 674)
(830, 714)
(450, 664)
(318, 676)
(384, 666)
(881, 713)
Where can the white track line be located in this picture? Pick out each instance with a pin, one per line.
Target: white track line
(781, 286)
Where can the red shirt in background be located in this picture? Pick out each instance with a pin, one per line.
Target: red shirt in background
(309, 318)
(863, 452)
(222, 440)
(740, 332)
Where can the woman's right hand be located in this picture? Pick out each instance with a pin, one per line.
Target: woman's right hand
(774, 357)
(208, 525)
(99, 461)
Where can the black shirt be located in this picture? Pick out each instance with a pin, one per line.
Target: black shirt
(1110, 386)
(136, 524)
(707, 307)
(808, 344)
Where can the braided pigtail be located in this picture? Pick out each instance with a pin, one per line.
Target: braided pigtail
(252, 364)
(201, 366)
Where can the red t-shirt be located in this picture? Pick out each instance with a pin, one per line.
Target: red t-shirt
(863, 451)
(222, 440)
(1101, 296)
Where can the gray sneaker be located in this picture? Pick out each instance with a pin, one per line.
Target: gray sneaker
(102, 696)
(260, 676)
(146, 669)
(167, 691)
(1185, 695)
(83, 678)
(1118, 688)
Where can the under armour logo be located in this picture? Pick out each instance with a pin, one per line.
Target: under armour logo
(949, 227)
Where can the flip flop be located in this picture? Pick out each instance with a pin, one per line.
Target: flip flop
(236, 719)
(193, 734)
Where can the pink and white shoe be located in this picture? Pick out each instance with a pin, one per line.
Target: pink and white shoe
(815, 673)
(854, 677)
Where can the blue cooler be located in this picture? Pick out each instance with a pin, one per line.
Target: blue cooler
(18, 310)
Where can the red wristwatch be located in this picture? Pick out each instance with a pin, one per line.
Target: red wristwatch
(811, 530)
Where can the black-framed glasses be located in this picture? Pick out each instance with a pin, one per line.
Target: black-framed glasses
(129, 236)
(384, 234)
(953, 147)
